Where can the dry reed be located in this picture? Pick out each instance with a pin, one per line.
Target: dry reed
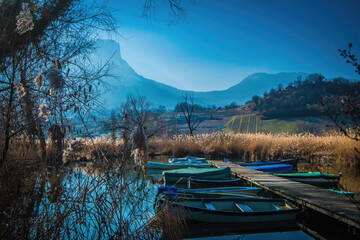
(334, 147)
(330, 147)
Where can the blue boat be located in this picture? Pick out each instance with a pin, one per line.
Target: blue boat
(169, 166)
(262, 162)
(276, 168)
(187, 159)
(202, 183)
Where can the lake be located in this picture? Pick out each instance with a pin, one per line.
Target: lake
(86, 201)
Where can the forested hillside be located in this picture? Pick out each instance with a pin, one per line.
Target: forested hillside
(304, 97)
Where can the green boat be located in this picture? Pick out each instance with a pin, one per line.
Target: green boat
(169, 166)
(314, 178)
(232, 210)
(181, 175)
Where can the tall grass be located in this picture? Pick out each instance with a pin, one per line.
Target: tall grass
(330, 147)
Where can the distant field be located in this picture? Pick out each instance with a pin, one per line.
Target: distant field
(251, 123)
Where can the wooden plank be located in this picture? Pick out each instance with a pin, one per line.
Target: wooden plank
(330, 203)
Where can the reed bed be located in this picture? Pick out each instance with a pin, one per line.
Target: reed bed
(333, 147)
(330, 147)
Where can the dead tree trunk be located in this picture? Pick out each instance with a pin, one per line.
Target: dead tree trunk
(57, 136)
(7, 125)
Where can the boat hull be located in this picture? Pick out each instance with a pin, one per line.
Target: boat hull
(206, 230)
(187, 159)
(276, 168)
(201, 183)
(262, 162)
(313, 178)
(170, 166)
(235, 190)
(221, 192)
(182, 175)
(224, 218)
(182, 208)
(319, 182)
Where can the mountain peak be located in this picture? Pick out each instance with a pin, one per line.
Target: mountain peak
(109, 49)
(127, 81)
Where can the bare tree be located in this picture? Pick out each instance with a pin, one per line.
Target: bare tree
(136, 112)
(45, 71)
(345, 111)
(350, 57)
(177, 9)
(347, 118)
(138, 125)
(187, 107)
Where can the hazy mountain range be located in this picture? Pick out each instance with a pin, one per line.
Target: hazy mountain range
(126, 81)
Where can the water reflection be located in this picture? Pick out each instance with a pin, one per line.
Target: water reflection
(201, 230)
(81, 202)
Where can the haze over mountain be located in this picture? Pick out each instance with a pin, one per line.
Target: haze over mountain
(126, 81)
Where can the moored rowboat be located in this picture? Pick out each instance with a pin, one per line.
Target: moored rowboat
(170, 166)
(187, 159)
(276, 168)
(262, 162)
(201, 183)
(314, 178)
(232, 210)
(181, 175)
(234, 190)
(208, 192)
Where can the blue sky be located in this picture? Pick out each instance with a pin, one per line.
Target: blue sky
(222, 41)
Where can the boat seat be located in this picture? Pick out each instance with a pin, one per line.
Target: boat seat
(277, 207)
(243, 207)
(209, 206)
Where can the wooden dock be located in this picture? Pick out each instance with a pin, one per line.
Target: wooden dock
(321, 200)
